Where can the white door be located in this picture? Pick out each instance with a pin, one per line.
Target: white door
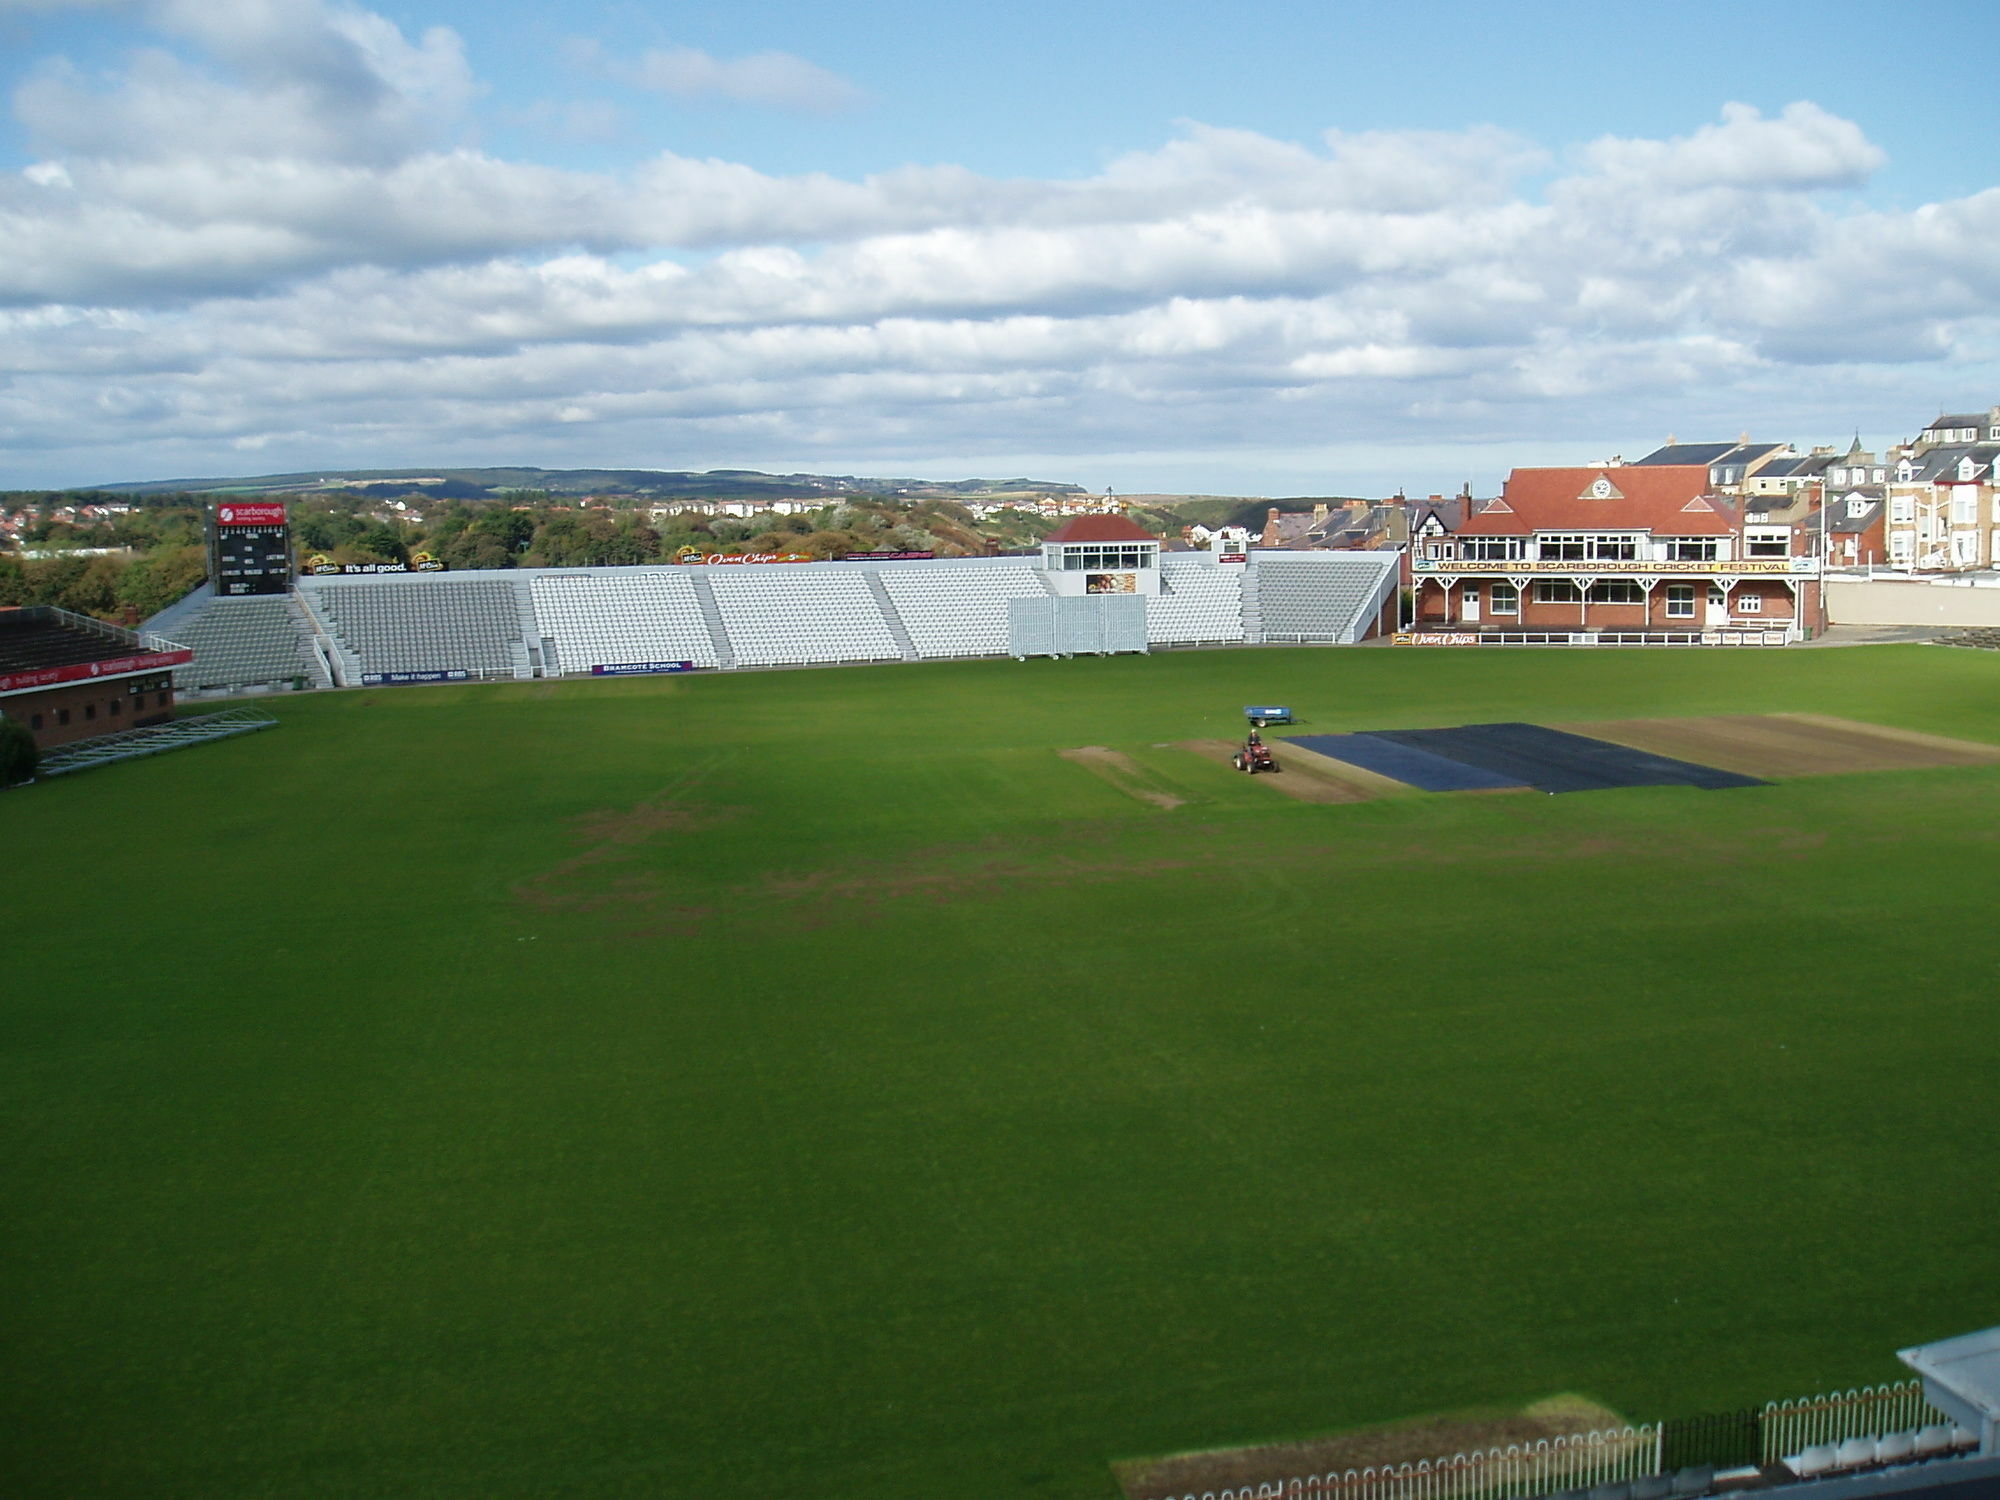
(1468, 604)
(1718, 608)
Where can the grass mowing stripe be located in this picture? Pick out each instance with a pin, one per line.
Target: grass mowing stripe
(899, 1110)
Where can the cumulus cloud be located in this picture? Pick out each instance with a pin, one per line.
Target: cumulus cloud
(1804, 148)
(296, 79)
(777, 80)
(273, 242)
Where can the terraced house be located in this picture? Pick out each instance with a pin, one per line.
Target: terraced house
(1650, 549)
(1943, 501)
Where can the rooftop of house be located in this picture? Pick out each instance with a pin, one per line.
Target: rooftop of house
(1953, 419)
(1844, 517)
(1941, 463)
(1810, 466)
(1675, 454)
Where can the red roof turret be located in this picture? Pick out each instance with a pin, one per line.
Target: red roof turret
(1104, 528)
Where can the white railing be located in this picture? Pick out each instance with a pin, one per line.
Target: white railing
(1512, 1473)
(1869, 1412)
(1455, 635)
(1738, 567)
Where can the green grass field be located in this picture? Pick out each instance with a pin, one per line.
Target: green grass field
(809, 1083)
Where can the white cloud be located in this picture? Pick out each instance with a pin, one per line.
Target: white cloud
(1805, 148)
(276, 243)
(298, 79)
(774, 79)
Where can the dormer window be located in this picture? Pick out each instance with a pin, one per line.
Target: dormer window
(1856, 507)
(1964, 470)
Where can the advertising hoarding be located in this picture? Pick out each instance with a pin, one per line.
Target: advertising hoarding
(721, 559)
(639, 668)
(322, 566)
(85, 671)
(250, 513)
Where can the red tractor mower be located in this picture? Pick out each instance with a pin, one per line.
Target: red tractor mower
(1255, 756)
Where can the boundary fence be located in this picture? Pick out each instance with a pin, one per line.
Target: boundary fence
(1518, 1471)
(1745, 1438)
(1870, 1411)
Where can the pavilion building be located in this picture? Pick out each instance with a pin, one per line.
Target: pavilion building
(1619, 548)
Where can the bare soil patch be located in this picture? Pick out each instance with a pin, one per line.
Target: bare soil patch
(1296, 777)
(1777, 745)
(1124, 773)
(610, 835)
(1402, 1442)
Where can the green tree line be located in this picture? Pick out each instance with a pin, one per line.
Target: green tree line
(161, 554)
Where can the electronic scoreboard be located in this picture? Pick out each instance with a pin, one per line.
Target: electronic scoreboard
(249, 548)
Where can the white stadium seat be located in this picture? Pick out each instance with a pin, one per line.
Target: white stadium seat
(1197, 603)
(959, 609)
(785, 614)
(600, 617)
(1321, 596)
(433, 624)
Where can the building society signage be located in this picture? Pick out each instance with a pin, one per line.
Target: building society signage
(261, 514)
(115, 666)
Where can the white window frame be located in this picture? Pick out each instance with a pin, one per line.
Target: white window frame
(1690, 548)
(1902, 509)
(1965, 509)
(1557, 591)
(1902, 546)
(1767, 541)
(1503, 599)
(1680, 601)
(1749, 604)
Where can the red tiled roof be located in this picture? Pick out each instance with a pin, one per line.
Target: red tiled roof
(1100, 529)
(1667, 499)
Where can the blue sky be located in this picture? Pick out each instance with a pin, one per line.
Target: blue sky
(1261, 248)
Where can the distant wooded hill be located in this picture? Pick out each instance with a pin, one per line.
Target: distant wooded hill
(477, 484)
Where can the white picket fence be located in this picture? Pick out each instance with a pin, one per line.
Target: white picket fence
(1870, 1411)
(1515, 1472)
(1525, 1470)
